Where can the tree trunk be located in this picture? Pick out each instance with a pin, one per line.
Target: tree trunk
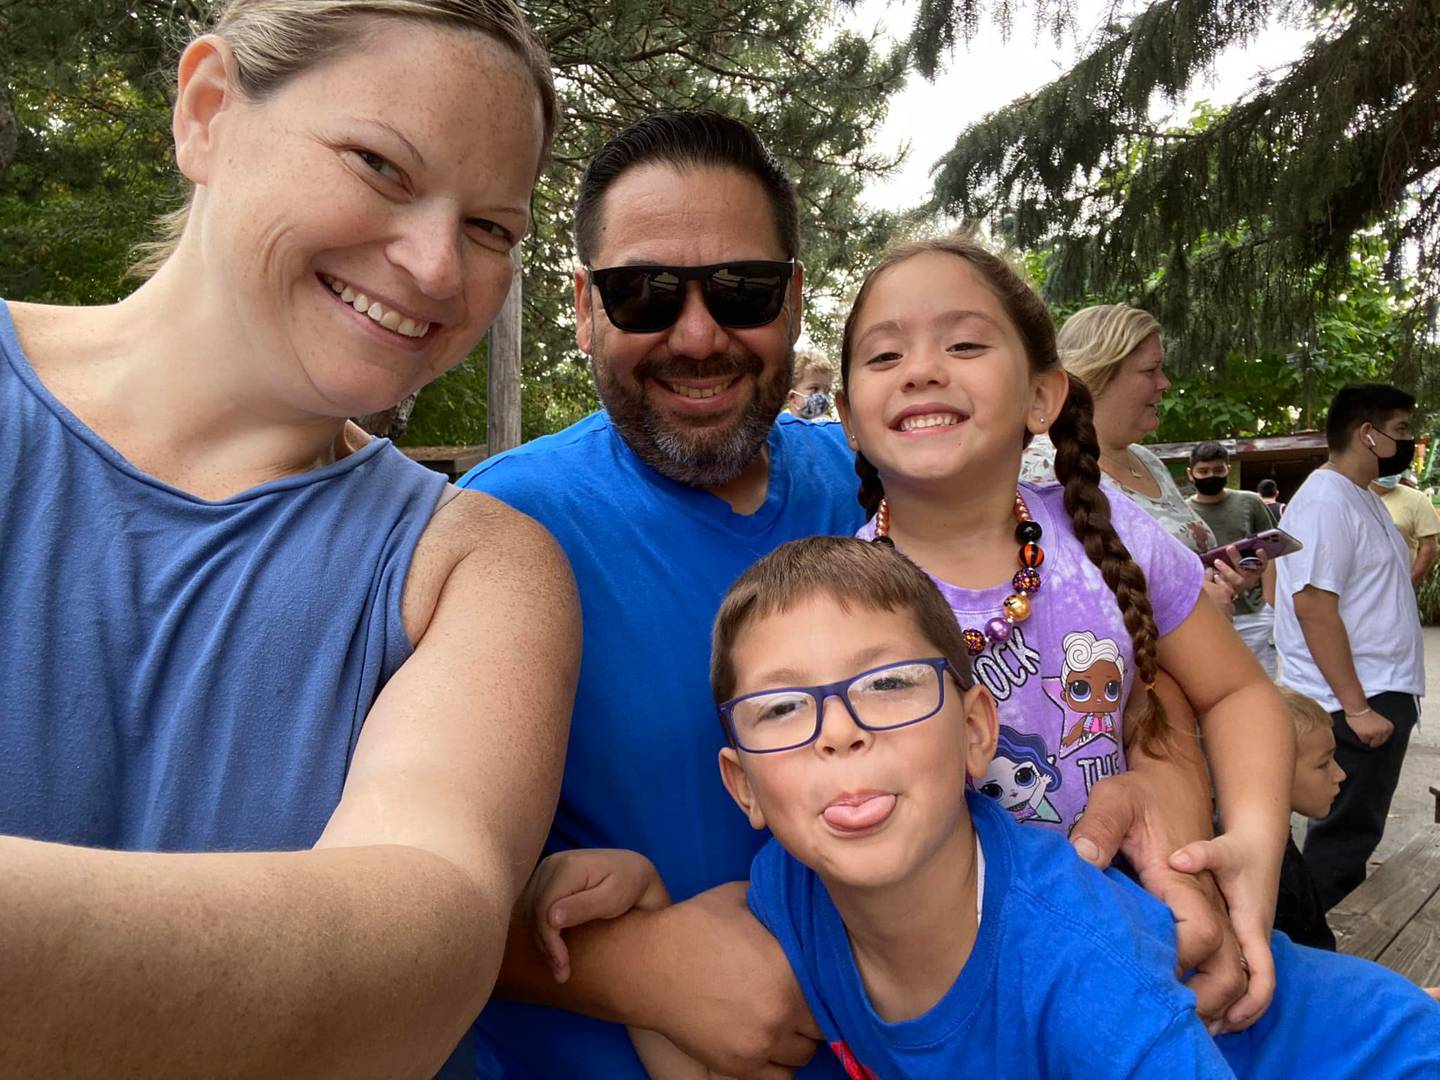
(503, 392)
(389, 423)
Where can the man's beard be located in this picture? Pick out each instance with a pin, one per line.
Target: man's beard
(703, 457)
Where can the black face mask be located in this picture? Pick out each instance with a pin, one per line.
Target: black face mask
(1397, 462)
(1210, 485)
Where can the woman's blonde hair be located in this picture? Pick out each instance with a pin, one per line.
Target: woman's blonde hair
(1094, 340)
(274, 40)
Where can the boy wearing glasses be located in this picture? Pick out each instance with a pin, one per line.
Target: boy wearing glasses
(932, 936)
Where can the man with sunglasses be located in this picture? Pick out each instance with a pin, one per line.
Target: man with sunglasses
(688, 303)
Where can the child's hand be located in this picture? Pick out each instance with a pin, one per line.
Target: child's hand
(1247, 869)
(571, 888)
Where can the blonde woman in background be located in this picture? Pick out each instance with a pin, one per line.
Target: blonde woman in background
(1116, 351)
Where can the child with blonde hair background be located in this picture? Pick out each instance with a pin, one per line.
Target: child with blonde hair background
(1298, 911)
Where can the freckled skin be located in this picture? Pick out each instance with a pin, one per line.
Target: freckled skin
(285, 194)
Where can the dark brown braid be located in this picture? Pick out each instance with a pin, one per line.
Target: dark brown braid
(1077, 458)
(1077, 466)
(871, 489)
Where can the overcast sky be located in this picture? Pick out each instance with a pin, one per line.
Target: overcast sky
(989, 73)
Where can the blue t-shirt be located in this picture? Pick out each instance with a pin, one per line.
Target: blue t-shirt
(652, 559)
(1072, 975)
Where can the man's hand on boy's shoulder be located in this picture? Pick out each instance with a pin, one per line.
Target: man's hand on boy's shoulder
(735, 1005)
(1129, 814)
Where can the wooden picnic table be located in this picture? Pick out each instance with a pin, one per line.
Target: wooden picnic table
(1395, 916)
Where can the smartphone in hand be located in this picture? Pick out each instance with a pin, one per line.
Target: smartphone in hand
(1273, 542)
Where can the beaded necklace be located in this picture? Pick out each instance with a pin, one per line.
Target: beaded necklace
(1026, 582)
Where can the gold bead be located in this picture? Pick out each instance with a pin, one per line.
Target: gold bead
(1017, 607)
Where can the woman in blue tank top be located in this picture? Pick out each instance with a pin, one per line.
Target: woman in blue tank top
(281, 719)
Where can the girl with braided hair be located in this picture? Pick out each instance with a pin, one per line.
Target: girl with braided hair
(949, 369)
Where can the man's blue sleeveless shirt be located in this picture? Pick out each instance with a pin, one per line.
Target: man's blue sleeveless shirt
(184, 675)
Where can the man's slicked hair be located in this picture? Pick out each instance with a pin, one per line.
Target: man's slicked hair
(856, 574)
(685, 140)
(1359, 403)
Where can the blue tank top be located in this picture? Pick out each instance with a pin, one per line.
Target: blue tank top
(184, 675)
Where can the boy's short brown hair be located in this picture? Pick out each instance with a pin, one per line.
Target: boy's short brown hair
(1306, 713)
(853, 573)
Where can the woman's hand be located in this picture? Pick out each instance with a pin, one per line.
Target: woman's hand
(1247, 870)
(1227, 579)
(1219, 587)
(571, 888)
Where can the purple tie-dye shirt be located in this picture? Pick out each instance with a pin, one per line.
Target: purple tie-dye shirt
(1065, 674)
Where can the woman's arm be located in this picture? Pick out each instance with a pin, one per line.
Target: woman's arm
(1250, 745)
(1248, 737)
(366, 957)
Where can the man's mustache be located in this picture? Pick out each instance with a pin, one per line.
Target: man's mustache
(708, 368)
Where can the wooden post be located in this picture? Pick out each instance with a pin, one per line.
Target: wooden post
(503, 387)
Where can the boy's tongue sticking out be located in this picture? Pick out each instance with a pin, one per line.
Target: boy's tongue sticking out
(854, 811)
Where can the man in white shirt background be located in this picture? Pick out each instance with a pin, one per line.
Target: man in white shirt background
(1347, 627)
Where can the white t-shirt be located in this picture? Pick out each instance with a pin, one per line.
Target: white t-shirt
(1352, 549)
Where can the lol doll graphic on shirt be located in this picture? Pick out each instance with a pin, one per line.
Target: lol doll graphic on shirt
(1020, 774)
(1092, 681)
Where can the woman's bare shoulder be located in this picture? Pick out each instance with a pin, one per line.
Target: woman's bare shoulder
(472, 529)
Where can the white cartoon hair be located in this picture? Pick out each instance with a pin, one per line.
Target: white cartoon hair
(1082, 649)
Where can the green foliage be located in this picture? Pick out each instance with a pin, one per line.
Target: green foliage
(1428, 596)
(1358, 335)
(89, 79)
(451, 411)
(1236, 228)
(92, 165)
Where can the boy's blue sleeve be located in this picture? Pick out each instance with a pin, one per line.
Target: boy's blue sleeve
(1183, 1051)
(1338, 1016)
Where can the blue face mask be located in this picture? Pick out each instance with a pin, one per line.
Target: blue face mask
(815, 405)
(1388, 481)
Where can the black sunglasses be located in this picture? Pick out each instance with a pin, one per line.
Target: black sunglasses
(738, 295)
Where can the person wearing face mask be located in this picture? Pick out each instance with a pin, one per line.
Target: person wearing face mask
(1347, 627)
(1414, 515)
(1232, 515)
(811, 394)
